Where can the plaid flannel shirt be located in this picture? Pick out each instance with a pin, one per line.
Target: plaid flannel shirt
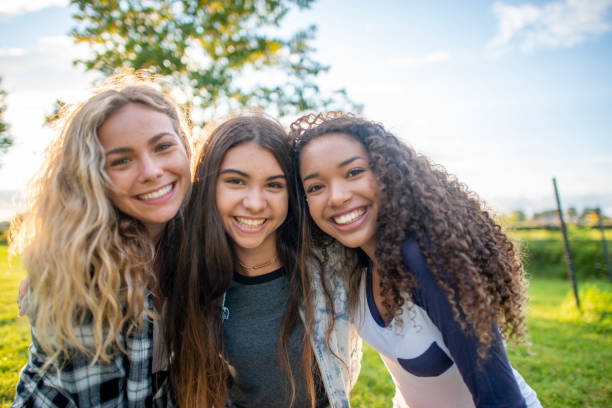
(124, 382)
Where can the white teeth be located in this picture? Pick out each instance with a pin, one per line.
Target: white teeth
(156, 194)
(250, 222)
(350, 217)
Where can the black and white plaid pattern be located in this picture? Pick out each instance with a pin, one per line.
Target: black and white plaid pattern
(124, 382)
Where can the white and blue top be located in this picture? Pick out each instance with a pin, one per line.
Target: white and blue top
(432, 361)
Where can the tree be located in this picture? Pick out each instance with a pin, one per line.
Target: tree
(6, 139)
(219, 53)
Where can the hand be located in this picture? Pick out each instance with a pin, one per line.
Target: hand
(23, 290)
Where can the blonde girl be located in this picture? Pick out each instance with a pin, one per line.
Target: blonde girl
(99, 209)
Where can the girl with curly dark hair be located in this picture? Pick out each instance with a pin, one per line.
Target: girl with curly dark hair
(441, 284)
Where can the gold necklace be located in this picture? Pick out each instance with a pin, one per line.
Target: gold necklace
(256, 267)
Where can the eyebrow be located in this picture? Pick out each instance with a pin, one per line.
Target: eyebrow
(151, 141)
(245, 175)
(342, 164)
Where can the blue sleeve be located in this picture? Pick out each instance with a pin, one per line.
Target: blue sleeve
(492, 383)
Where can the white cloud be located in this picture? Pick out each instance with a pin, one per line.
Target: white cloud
(14, 7)
(411, 61)
(47, 66)
(562, 23)
(34, 79)
(12, 52)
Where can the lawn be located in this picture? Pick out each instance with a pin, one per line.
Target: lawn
(568, 363)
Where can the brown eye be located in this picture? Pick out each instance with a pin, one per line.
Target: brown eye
(162, 147)
(313, 188)
(276, 185)
(354, 172)
(235, 181)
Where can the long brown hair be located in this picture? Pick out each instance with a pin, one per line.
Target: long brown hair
(466, 250)
(205, 265)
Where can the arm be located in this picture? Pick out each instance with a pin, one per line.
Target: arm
(490, 380)
(23, 296)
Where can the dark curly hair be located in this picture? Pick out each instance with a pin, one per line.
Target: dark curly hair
(466, 250)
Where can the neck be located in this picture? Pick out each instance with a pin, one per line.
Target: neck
(370, 249)
(155, 231)
(258, 261)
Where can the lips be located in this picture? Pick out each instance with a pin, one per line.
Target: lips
(160, 192)
(349, 217)
(250, 223)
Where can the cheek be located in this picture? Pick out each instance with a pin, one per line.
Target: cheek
(115, 199)
(220, 199)
(185, 167)
(314, 208)
(374, 188)
(120, 185)
(284, 206)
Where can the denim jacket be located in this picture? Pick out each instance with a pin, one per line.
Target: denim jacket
(339, 377)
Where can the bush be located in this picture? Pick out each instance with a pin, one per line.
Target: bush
(544, 255)
(595, 307)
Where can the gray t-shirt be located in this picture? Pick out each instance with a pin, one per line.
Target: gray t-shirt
(251, 333)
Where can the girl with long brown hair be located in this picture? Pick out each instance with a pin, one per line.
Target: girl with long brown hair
(99, 210)
(441, 284)
(241, 326)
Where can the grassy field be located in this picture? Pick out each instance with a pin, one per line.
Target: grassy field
(568, 363)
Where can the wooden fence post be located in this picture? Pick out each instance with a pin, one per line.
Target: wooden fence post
(568, 253)
(604, 243)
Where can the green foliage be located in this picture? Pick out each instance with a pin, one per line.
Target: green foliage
(56, 113)
(209, 49)
(6, 140)
(545, 255)
(595, 307)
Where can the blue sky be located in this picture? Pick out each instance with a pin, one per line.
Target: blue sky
(504, 94)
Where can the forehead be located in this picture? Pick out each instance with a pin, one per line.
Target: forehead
(332, 148)
(133, 122)
(251, 157)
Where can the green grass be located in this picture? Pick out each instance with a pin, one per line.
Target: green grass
(14, 331)
(569, 361)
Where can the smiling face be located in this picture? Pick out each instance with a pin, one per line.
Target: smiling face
(341, 190)
(147, 163)
(252, 200)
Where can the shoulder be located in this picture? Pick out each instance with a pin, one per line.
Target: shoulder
(413, 257)
(335, 259)
(335, 254)
(428, 292)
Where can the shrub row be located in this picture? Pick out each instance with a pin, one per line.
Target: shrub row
(546, 258)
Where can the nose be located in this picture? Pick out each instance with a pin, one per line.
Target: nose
(254, 200)
(150, 169)
(338, 194)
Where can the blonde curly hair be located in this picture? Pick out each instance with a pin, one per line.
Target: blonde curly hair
(88, 265)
